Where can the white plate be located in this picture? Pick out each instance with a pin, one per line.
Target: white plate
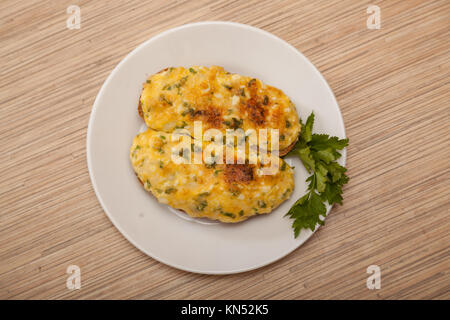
(212, 248)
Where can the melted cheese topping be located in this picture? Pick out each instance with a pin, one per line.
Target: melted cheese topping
(176, 97)
(229, 193)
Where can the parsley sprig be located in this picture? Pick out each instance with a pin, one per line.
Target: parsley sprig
(318, 153)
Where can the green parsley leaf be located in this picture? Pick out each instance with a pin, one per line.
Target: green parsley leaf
(306, 133)
(318, 153)
(323, 141)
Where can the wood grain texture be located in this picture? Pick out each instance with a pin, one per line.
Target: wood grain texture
(392, 86)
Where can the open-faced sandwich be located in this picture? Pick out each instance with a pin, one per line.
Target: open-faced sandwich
(176, 98)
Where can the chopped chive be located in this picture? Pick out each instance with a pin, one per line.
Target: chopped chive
(136, 149)
(285, 193)
(237, 123)
(235, 192)
(182, 125)
(262, 204)
(170, 190)
(201, 205)
(251, 82)
(210, 165)
(164, 99)
(228, 214)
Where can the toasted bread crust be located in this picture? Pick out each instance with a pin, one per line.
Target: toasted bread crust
(285, 151)
(141, 113)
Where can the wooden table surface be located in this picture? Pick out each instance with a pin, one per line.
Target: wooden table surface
(392, 86)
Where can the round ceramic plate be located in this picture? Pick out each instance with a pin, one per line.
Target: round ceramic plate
(193, 244)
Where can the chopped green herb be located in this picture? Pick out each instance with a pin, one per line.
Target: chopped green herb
(136, 149)
(283, 166)
(201, 205)
(228, 214)
(241, 213)
(190, 111)
(234, 123)
(262, 204)
(210, 165)
(237, 123)
(182, 125)
(164, 99)
(170, 190)
(242, 92)
(288, 124)
(181, 82)
(148, 81)
(147, 184)
(227, 86)
(191, 70)
(235, 192)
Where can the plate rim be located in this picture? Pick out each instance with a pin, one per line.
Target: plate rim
(94, 112)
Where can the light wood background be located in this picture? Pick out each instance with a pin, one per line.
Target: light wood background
(392, 86)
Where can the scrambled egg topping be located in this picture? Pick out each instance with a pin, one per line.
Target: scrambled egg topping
(225, 192)
(176, 97)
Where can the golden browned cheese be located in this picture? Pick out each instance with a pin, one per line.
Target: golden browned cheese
(225, 192)
(176, 97)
